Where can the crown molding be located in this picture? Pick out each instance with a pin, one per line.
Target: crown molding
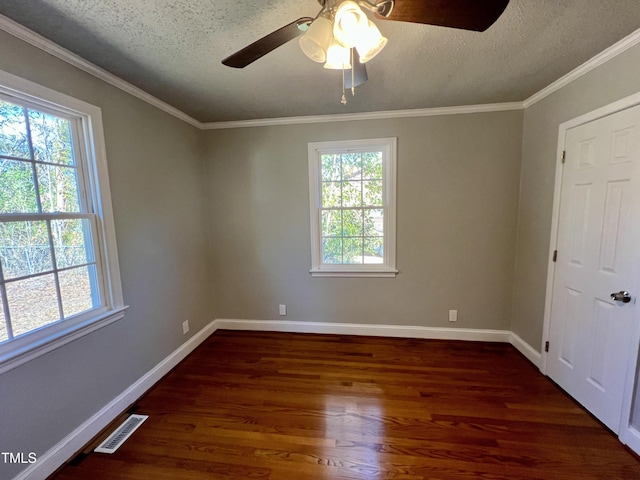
(603, 57)
(347, 117)
(46, 45)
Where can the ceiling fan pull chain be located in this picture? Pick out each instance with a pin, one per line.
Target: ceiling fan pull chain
(353, 75)
(343, 101)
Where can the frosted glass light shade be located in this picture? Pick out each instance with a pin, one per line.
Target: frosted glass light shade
(338, 57)
(350, 24)
(316, 41)
(371, 43)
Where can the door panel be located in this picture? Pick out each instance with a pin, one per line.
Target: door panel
(581, 197)
(609, 237)
(569, 328)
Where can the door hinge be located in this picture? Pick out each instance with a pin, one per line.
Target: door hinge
(546, 346)
(564, 156)
(555, 255)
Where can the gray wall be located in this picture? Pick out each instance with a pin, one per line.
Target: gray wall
(616, 79)
(456, 223)
(156, 172)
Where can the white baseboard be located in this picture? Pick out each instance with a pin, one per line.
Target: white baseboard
(76, 440)
(525, 349)
(403, 331)
(631, 438)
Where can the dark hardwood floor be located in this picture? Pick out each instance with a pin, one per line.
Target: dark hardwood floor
(279, 406)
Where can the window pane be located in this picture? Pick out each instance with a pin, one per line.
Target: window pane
(24, 248)
(374, 223)
(58, 188)
(331, 223)
(374, 250)
(352, 223)
(372, 193)
(72, 242)
(351, 194)
(76, 290)
(331, 194)
(17, 188)
(332, 250)
(33, 303)
(51, 138)
(352, 250)
(331, 168)
(13, 131)
(372, 165)
(4, 335)
(351, 166)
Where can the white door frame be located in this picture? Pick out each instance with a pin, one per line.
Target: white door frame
(628, 435)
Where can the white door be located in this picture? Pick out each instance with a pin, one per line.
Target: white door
(598, 252)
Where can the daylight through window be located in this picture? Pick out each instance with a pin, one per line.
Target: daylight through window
(352, 192)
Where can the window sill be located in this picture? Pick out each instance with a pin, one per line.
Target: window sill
(20, 356)
(354, 273)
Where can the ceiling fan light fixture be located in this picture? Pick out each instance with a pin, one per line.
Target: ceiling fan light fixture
(371, 43)
(338, 57)
(350, 24)
(317, 39)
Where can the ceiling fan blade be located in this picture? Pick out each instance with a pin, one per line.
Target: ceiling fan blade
(477, 15)
(359, 75)
(261, 47)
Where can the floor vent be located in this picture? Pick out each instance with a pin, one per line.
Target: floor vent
(124, 431)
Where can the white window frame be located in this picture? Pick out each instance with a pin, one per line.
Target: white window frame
(388, 146)
(92, 166)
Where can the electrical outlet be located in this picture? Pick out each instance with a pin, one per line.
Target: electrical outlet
(453, 315)
(282, 309)
(185, 327)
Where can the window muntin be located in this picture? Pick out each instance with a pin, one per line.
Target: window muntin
(352, 195)
(59, 272)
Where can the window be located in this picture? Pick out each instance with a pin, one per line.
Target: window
(352, 199)
(59, 276)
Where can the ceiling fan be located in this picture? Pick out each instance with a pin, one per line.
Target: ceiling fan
(341, 35)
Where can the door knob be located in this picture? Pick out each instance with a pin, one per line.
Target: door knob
(621, 296)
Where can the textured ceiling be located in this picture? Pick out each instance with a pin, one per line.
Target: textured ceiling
(172, 49)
